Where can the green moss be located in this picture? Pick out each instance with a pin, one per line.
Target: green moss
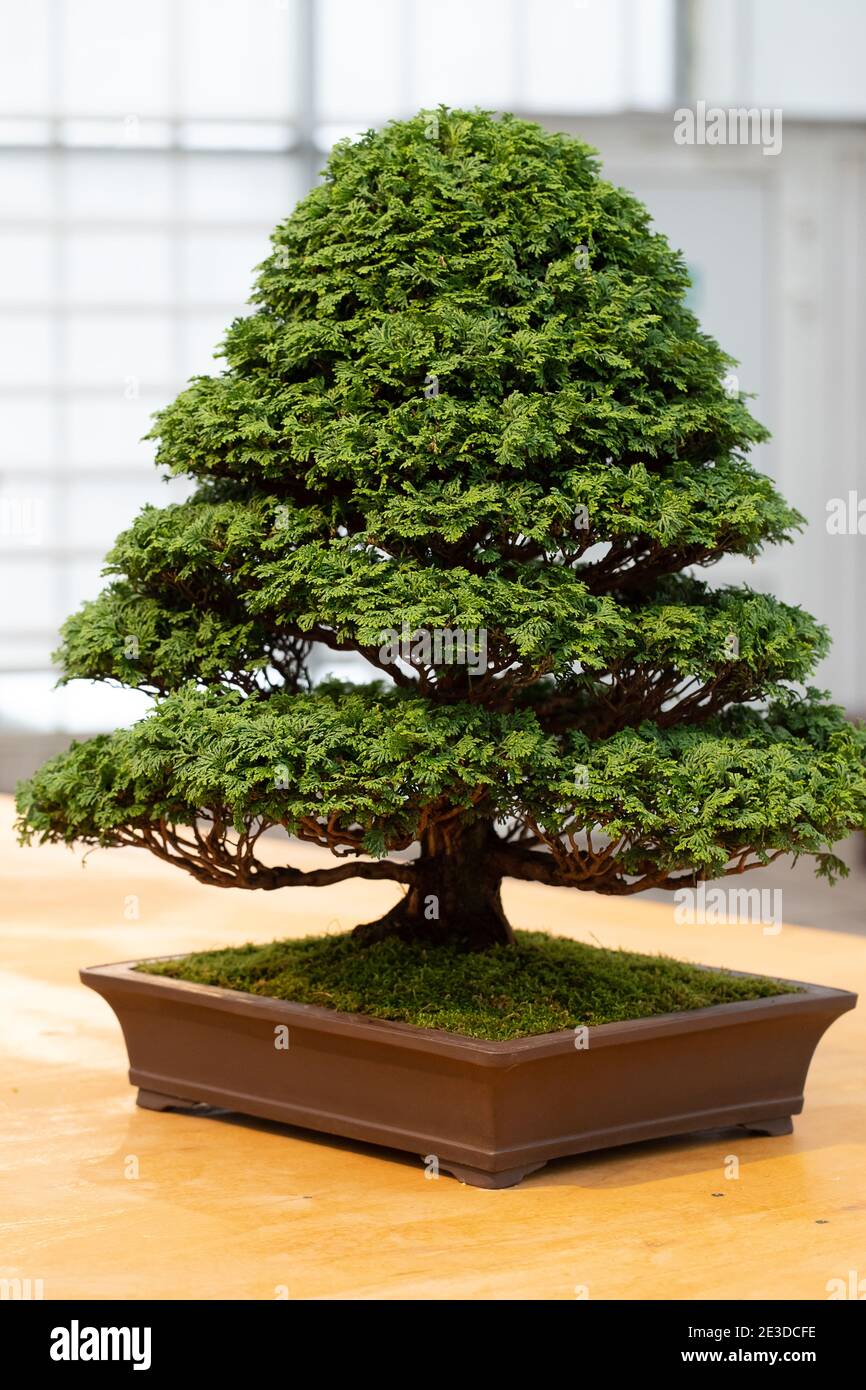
(540, 985)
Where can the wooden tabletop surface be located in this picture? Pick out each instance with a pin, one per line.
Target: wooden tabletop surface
(99, 1199)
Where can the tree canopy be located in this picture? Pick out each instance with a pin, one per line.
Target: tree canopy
(470, 395)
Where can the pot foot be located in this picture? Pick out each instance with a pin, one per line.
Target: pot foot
(776, 1127)
(155, 1100)
(478, 1177)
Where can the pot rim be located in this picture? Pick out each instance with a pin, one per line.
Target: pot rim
(811, 998)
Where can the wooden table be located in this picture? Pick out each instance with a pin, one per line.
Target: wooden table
(101, 1200)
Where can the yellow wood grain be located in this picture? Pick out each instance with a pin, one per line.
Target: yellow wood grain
(234, 1208)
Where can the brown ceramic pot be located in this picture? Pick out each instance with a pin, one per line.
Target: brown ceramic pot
(488, 1112)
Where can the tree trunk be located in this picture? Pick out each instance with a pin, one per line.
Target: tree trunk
(454, 898)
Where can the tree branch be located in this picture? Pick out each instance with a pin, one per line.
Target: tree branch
(223, 864)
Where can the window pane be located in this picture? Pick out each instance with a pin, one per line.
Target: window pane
(27, 183)
(27, 431)
(25, 57)
(239, 58)
(97, 509)
(651, 50)
(479, 70)
(118, 187)
(31, 578)
(25, 652)
(26, 268)
(27, 515)
(574, 55)
(241, 188)
(219, 267)
(597, 55)
(361, 62)
(29, 701)
(117, 59)
(27, 349)
(118, 267)
(130, 353)
(106, 432)
(202, 334)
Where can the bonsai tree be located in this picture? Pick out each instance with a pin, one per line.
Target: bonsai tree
(471, 433)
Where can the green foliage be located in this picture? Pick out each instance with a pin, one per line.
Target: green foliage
(542, 984)
(366, 755)
(793, 780)
(470, 395)
(684, 798)
(495, 258)
(211, 586)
